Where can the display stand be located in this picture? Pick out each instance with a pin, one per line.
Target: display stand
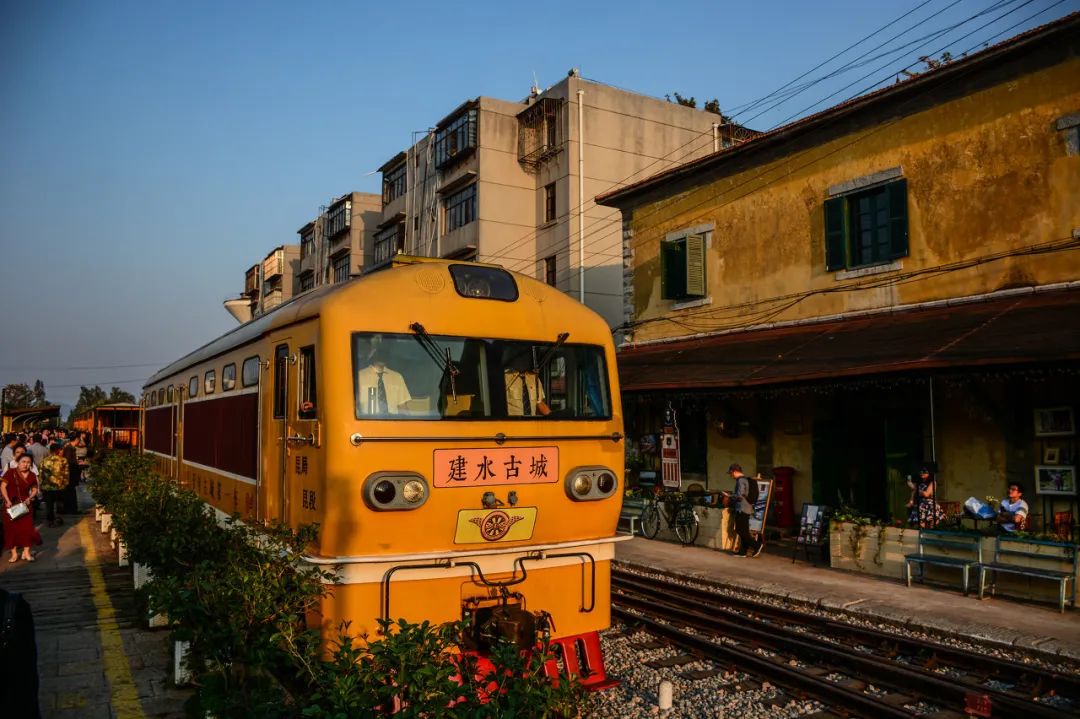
(813, 530)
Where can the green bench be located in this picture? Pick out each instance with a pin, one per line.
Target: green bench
(1006, 553)
(943, 547)
(631, 512)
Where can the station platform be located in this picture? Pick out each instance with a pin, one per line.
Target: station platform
(96, 658)
(1035, 628)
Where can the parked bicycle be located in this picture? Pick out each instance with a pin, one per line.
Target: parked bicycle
(677, 509)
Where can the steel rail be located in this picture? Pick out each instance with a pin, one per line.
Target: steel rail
(1008, 670)
(759, 665)
(730, 623)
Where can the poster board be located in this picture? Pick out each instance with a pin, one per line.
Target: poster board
(812, 525)
(761, 506)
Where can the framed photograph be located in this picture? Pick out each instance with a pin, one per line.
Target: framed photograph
(1054, 422)
(1055, 480)
(1051, 455)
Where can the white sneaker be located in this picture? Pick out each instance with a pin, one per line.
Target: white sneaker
(760, 546)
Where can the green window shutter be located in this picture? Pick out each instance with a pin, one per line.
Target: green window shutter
(835, 234)
(695, 265)
(898, 219)
(673, 270)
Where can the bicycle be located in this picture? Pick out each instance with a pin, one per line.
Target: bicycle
(679, 513)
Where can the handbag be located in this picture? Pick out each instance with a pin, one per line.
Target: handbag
(17, 510)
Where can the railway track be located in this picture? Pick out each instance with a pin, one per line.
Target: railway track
(854, 669)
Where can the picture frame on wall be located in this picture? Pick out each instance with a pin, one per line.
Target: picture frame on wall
(1054, 422)
(1055, 480)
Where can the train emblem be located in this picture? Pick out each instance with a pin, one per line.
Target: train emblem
(494, 526)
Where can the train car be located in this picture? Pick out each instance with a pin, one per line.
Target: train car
(111, 426)
(455, 430)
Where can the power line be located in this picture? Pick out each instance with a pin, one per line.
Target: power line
(84, 367)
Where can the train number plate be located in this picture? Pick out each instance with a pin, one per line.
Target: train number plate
(509, 524)
(501, 465)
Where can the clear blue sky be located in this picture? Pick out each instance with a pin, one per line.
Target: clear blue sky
(151, 151)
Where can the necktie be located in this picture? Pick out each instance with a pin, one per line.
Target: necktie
(526, 406)
(384, 407)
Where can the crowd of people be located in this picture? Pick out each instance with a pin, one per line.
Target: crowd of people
(44, 467)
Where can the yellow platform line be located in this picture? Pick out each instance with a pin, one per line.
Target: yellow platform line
(125, 699)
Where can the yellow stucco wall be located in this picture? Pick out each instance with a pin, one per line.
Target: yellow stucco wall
(987, 173)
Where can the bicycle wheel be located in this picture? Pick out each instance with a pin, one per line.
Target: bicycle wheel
(686, 525)
(650, 521)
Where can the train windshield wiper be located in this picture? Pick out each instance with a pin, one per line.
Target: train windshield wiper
(550, 354)
(440, 355)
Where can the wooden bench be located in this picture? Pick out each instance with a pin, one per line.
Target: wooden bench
(941, 542)
(631, 512)
(1006, 553)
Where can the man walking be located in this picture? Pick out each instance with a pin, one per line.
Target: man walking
(70, 496)
(742, 508)
(37, 449)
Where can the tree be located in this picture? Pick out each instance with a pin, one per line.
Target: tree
(39, 394)
(17, 396)
(117, 395)
(684, 101)
(89, 397)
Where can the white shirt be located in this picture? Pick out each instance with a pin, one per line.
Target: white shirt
(516, 383)
(397, 392)
(1019, 508)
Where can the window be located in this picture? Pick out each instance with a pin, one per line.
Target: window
(549, 270)
(461, 208)
(682, 267)
(249, 373)
(228, 377)
(209, 382)
(866, 228)
(307, 241)
(393, 183)
(341, 268)
(307, 407)
(456, 138)
(397, 378)
(388, 242)
(549, 203)
(306, 281)
(281, 369)
(338, 219)
(193, 387)
(169, 394)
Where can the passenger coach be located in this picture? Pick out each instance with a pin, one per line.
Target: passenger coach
(453, 428)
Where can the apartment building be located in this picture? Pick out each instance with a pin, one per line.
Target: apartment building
(267, 284)
(512, 183)
(332, 245)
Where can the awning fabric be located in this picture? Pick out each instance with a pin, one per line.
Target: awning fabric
(1039, 327)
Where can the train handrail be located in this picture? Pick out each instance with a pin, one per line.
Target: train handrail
(499, 438)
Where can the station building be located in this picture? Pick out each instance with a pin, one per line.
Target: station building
(891, 282)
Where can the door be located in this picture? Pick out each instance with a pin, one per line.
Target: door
(903, 452)
(274, 429)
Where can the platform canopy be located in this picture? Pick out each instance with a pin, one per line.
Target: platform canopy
(1028, 328)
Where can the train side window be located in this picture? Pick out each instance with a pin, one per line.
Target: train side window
(249, 373)
(169, 394)
(228, 377)
(306, 407)
(161, 396)
(281, 360)
(209, 382)
(193, 387)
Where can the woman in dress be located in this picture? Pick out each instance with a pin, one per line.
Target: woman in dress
(926, 513)
(19, 485)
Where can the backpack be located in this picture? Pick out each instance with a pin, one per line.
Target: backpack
(753, 491)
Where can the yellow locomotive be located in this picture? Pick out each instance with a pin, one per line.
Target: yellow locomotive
(454, 429)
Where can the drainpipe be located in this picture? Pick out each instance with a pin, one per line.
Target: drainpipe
(716, 137)
(581, 195)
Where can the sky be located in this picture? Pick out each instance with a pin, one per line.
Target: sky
(150, 152)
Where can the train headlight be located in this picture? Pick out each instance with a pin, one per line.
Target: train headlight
(394, 491)
(413, 491)
(586, 484)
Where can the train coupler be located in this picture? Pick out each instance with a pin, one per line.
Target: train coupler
(580, 656)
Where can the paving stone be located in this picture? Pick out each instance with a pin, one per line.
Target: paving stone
(92, 711)
(70, 669)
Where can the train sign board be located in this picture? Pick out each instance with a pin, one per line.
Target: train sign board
(495, 466)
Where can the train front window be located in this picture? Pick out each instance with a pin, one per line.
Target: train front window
(408, 376)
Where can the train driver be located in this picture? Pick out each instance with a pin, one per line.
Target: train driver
(382, 390)
(524, 392)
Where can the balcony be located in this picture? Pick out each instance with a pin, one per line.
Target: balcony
(274, 265)
(387, 243)
(456, 139)
(540, 132)
(251, 282)
(338, 219)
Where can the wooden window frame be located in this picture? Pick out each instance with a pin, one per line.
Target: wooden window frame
(683, 261)
(842, 227)
(306, 393)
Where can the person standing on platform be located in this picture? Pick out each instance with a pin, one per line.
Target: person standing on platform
(70, 496)
(926, 513)
(7, 455)
(54, 480)
(18, 658)
(19, 486)
(742, 508)
(37, 450)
